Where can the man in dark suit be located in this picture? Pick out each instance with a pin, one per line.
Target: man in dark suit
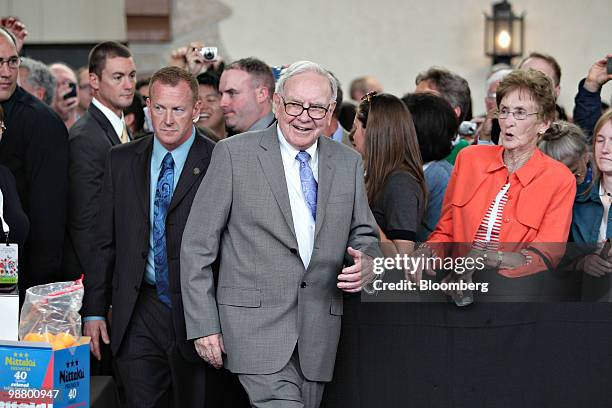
(113, 77)
(35, 148)
(148, 188)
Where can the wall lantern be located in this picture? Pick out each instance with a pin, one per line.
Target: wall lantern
(504, 34)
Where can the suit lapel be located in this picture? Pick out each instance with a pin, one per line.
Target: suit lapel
(272, 164)
(105, 124)
(326, 175)
(193, 170)
(141, 167)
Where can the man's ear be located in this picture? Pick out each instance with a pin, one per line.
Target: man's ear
(330, 114)
(94, 81)
(262, 94)
(129, 119)
(196, 111)
(457, 110)
(276, 101)
(40, 93)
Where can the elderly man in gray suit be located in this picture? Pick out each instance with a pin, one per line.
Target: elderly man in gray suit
(284, 209)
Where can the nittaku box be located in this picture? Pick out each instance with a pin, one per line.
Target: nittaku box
(33, 375)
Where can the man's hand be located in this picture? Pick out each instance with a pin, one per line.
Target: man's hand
(95, 329)
(352, 278)
(595, 265)
(17, 28)
(64, 107)
(485, 126)
(598, 75)
(209, 348)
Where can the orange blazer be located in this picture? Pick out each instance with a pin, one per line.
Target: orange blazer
(538, 210)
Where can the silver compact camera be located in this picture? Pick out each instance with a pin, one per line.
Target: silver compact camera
(209, 53)
(467, 128)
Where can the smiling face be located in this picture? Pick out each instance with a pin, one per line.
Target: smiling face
(306, 89)
(173, 112)
(520, 135)
(603, 148)
(211, 114)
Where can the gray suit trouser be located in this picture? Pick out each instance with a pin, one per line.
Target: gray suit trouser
(287, 388)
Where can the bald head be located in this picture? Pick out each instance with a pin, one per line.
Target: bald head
(9, 36)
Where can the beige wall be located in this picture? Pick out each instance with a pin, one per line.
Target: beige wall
(395, 39)
(390, 39)
(69, 21)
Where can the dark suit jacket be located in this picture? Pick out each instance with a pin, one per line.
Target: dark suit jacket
(91, 138)
(13, 214)
(35, 148)
(123, 227)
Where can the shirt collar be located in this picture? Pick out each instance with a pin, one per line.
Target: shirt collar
(262, 123)
(292, 151)
(526, 173)
(116, 121)
(179, 155)
(337, 135)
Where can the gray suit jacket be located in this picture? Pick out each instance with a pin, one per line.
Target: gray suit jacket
(266, 302)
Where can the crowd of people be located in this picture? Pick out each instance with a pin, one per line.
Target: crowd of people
(224, 220)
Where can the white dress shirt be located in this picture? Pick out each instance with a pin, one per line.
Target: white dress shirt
(303, 223)
(117, 122)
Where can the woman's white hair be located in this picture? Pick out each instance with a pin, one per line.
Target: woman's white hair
(307, 66)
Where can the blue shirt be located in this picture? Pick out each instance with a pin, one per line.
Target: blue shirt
(437, 175)
(179, 155)
(587, 215)
(337, 136)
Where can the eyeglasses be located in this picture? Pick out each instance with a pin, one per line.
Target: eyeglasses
(296, 109)
(12, 62)
(368, 97)
(519, 114)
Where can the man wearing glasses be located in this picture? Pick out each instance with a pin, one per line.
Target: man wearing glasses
(35, 149)
(284, 208)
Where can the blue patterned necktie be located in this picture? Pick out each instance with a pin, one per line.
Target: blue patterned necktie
(163, 195)
(309, 184)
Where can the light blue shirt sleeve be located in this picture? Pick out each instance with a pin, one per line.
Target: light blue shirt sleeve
(90, 318)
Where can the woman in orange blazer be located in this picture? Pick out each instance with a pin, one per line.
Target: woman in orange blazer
(511, 193)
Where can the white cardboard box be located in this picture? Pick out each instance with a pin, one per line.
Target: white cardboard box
(9, 318)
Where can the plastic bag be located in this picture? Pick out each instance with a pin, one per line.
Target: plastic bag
(50, 310)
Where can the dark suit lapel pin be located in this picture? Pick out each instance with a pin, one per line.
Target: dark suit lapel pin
(196, 171)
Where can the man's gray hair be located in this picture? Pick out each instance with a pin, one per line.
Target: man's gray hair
(307, 66)
(497, 76)
(40, 76)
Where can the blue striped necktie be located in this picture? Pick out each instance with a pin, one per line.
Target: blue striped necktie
(309, 184)
(163, 196)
